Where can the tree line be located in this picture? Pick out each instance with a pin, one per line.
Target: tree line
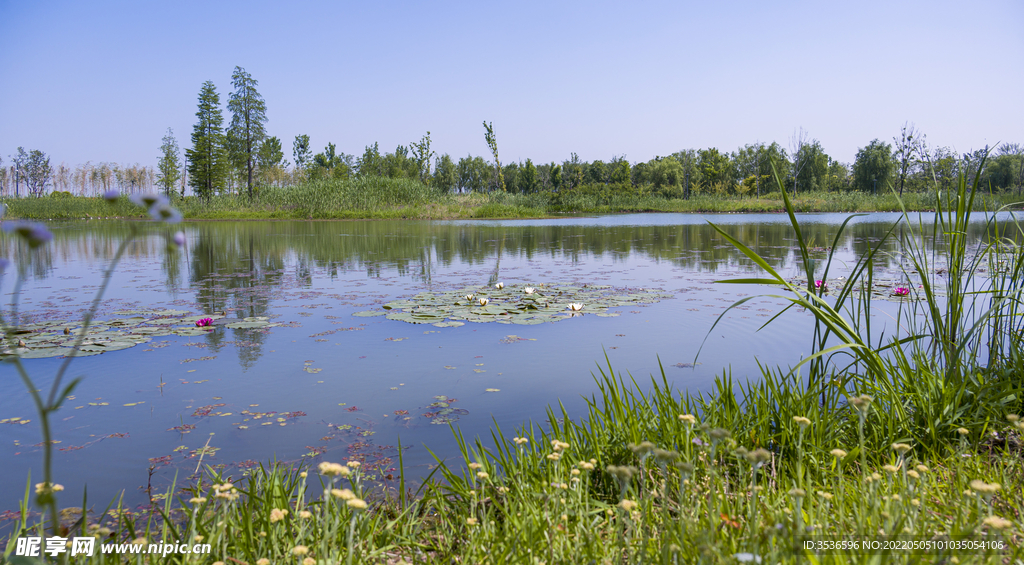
(242, 157)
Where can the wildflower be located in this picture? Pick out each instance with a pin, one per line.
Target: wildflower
(481, 475)
(758, 456)
(474, 466)
(356, 504)
(688, 419)
(555, 456)
(483, 301)
(901, 291)
(838, 453)
(303, 475)
(503, 490)
(198, 539)
(963, 431)
(586, 465)
(218, 563)
(982, 487)
(797, 493)
(997, 522)
(575, 307)
(825, 495)
(203, 322)
(529, 290)
(623, 473)
(148, 199)
(890, 468)
(718, 434)
(305, 514)
(922, 468)
(684, 466)
(641, 450)
(300, 550)
(804, 422)
(470, 521)
(520, 440)
(276, 515)
(331, 469)
(913, 474)
(354, 464)
(558, 445)
(309, 561)
(499, 286)
(664, 456)
(111, 196)
(44, 488)
(862, 402)
(342, 493)
(574, 472)
(165, 213)
(901, 447)
(915, 502)
(627, 505)
(262, 561)
(1012, 418)
(34, 233)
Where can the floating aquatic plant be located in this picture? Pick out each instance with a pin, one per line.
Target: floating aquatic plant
(512, 304)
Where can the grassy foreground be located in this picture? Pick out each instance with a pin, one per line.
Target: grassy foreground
(902, 449)
(385, 198)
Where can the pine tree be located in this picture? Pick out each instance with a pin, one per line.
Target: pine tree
(170, 164)
(207, 160)
(248, 114)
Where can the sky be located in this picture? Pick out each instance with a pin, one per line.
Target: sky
(103, 80)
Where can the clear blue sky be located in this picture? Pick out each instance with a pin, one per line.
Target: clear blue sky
(102, 80)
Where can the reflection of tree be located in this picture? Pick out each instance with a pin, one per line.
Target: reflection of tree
(236, 275)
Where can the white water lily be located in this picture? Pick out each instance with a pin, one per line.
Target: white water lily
(529, 290)
(469, 297)
(499, 286)
(484, 301)
(575, 306)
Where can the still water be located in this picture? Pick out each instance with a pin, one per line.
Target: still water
(324, 383)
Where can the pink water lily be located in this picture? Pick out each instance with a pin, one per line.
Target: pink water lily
(901, 291)
(820, 284)
(203, 322)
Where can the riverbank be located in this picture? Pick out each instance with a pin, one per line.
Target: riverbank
(383, 198)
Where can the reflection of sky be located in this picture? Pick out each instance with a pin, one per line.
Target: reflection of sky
(361, 365)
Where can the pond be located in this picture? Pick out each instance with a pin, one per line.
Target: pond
(328, 364)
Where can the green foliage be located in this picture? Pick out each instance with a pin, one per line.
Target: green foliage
(445, 175)
(301, 151)
(169, 167)
(498, 181)
(422, 154)
(248, 116)
(811, 166)
(207, 159)
(33, 169)
(472, 173)
(528, 178)
(873, 168)
(556, 177)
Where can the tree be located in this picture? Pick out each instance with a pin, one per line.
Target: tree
(301, 151)
(813, 172)
(371, 163)
(556, 177)
(445, 177)
(36, 171)
(248, 114)
(269, 158)
(422, 154)
(619, 171)
(170, 163)
(20, 159)
(528, 177)
(908, 147)
(499, 179)
(207, 160)
(873, 166)
(330, 163)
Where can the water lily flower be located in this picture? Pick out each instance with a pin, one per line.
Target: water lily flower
(469, 297)
(499, 286)
(34, 233)
(820, 284)
(484, 301)
(901, 291)
(575, 306)
(529, 290)
(203, 322)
